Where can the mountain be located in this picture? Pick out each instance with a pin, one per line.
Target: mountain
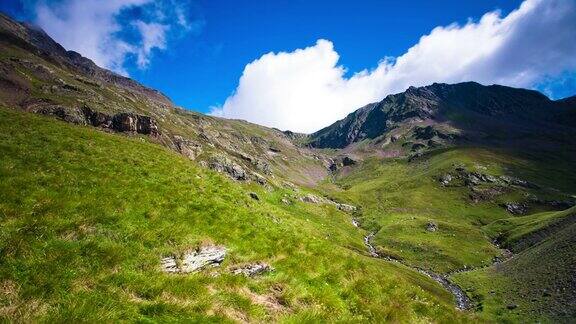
(445, 106)
(445, 203)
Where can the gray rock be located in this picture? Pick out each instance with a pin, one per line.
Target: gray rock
(346, 208)
(310, 198)
(431, 227)
(187, 148)
(254, 196)
(515, 208)
(446, 179)
(225, 165)
(251, 270)
(204, 257)
(207, 256)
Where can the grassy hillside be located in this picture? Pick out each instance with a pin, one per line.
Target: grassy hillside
(398, 200)
(86, 217)
(539, 282)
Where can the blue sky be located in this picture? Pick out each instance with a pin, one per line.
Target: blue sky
(197, 51)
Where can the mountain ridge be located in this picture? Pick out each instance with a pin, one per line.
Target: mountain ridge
(434, 102)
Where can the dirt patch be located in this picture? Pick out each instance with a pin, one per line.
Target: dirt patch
(272, 301)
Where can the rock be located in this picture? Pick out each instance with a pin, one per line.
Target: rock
(169, 265)
(187, 148)
(129, 122)
(346, 208)
(70, 115)
(262, 166)
(518, 182)
(223, 164)
(254, 196)
(515, 208)
(471, 180)
(97, 119)
(204, 257)
(285, 201)
(347, 161)
(251, 270)
(207, 256)
(431, 227)
(446, 179)
(274, 149)
(310, 198)
(511, 306)
(259, 179)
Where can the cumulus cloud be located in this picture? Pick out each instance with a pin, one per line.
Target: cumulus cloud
(306, 89)
(94, 29)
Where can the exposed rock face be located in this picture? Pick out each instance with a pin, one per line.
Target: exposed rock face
(251, 270)
(434, 103)
(346, 208)
(187, 148)
(310, 198)
(207, 256)
(225, 165)
(64, 113)
(129, 122)
(515, 208)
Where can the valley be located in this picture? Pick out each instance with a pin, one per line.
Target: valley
(449, 203)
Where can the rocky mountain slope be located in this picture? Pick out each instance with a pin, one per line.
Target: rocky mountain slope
(442, 114)
(40, 76)
(445, 203)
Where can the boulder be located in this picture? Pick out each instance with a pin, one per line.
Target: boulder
(254, 196)
(515, 208)
(348, 161)
(207, 256)
(431, 227)
(446, 179)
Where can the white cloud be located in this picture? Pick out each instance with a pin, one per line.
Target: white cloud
(306, 89)
(153, 36)
(92, 28)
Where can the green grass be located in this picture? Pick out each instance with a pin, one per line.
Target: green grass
(511, 230)
(398, 198)
(85, 217)
(537, 280)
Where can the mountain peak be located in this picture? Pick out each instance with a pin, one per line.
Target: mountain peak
(438, 102)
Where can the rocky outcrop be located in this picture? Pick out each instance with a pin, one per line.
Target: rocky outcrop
(310, 198)
(515, 208)
(130, 122)
(223, 164)
(253, 269)
(207, 256)
(187, 147)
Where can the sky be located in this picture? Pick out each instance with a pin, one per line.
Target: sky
(301, 65)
